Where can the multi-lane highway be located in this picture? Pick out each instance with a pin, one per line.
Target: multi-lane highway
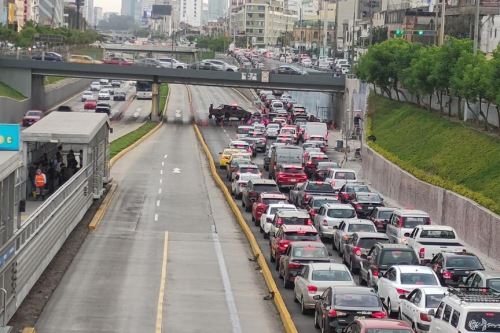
(168, 255)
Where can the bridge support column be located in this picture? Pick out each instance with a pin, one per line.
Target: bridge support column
(38, 92)
(155, 109)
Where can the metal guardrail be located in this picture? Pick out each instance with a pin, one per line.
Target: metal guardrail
(24, 258)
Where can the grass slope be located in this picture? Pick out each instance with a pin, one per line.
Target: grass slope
(163, 96)
(437, 150)
(7, 91)
(123, 142)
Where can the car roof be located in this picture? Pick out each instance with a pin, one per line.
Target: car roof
(411, 212)
(433, 290)
(353, 290)
(379, 235)
(436, 227)
(391, 246)
(293, 213)
(382, 208)
(458, 254)
(343, 170)
(292, 166)
(266, 195)
(323, 197)
(383, 323)
(328, 265)
(358, 221)
(248, 165)
(338, 206)
(294, 227)
(283, 204)
(263, 181)
(308, 244)
(413, 269)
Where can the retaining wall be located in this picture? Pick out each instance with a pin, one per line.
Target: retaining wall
(12, 111)
(477, 226)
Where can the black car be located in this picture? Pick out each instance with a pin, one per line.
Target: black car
(288, 69)
(364, 202)
(338, 307)
(380, 217)
(119, 96)
(64, 108)
(103, 108)
(301, 193)
(322, 168)
(453, 269)
(48, 56)
(204, 65)
(347, 192)
(225, 111)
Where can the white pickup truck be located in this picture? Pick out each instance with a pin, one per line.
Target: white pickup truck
(429, 240)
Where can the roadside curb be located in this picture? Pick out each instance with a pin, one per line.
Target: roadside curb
(29, 330)
(286, 319)
(103, 207)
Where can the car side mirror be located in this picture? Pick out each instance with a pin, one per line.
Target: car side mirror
(220, 153)
(237, 177)
(317, 297)
(431, 312)
(407, 234)
(402, 297)
(386, 221)
(364, 256)
(335, 227)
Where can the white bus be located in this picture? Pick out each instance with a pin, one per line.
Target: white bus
(144, 90)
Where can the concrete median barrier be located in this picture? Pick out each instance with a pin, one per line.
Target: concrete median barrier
(477, 226)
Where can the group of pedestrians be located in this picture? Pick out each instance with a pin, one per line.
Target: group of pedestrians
(47, 175)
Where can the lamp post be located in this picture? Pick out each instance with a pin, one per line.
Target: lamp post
(476, 27)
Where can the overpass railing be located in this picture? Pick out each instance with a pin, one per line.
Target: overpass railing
(24, 258)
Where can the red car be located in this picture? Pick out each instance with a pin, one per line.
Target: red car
(289, 174)
(90, 104)
(117, 61)
(288, 233)
(31, 117)
(265, 199)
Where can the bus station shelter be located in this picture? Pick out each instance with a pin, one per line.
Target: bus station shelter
(84, 135)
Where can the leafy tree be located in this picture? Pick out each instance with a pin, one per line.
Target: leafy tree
(493, 89)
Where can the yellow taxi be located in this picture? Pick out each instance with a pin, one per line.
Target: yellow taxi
(225, 156)
(82, 59)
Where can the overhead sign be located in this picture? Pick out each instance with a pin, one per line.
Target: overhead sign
(10, 137)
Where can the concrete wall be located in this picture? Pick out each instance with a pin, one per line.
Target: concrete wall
(60, 91)
(476, 225)
(18, 79)
(12, 111)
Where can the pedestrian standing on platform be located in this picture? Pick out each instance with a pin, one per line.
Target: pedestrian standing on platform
(40, 182)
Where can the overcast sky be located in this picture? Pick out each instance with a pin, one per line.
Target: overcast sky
(108, 5)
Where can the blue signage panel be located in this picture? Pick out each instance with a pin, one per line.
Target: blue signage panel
(10, 136)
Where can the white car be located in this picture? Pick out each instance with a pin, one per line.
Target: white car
(402, 223)
(330, 216)
(104, 95)
(306, 62)
(346, 228)
(272, 130)
(339, 177)
(87, 95)
(315, 278)
(239, 184)
(221, 65)
(418, 306)
(402, 280)
(266, 219)
(95, 86)
(104, 82)
(172, 63)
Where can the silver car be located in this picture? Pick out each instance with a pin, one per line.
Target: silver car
(330, 216)
(315, 278)
(344, 231)
(266, 219)
(358, 244)
(221, 65)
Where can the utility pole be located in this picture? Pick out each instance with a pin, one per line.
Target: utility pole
(476, 27)
(443, 15)
(353, 32)
(78, 4)
(335, 38)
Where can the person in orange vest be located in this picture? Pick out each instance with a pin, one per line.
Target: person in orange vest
(40, 182)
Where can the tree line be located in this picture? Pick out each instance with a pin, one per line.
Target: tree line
(27, 37)
(442, 72)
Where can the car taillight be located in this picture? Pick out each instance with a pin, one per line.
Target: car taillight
(401, 291)
(399, 222)
(307, 197)
(447, 274)
(346, 196)
(489, 314)
(332, 313)
(375, 272)
(428, 221)
(293, 265)
(424, 316)
(358, 206)
(345, 237)
(312, 289)
(379, 315)
(421, 253)
(332, 183)
(356, 251)
(309, 222)
(283, 244)
(325, 222)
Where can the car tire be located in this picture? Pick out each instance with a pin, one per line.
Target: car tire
(271, 258)
(248, 209)
(316, 322)
(266, 235)
(260, 229)
(242, 202)
(277, 266)
(256, 223)
(303, 310)
(286, 282)
(390, 313)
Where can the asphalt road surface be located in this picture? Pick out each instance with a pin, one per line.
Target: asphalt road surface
(168, 255)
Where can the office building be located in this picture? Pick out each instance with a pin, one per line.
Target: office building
(98, 15)
(190, 12)
(217, 9)
(88, 12)
(51, 12)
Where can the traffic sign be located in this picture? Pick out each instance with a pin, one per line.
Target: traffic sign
(10, 137)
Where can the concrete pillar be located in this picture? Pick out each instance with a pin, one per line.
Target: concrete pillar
(38, 92)
(155, 109)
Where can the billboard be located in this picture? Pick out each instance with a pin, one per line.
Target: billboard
(161, 10)
(9, 136)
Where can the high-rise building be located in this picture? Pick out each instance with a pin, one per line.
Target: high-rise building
(191, 12)
(97, 15)
(217, 9)
(34, 10)
(88, 12)
(51, 12)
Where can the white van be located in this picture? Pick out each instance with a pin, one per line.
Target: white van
(316, 129)
(339, 177)
(403, 221)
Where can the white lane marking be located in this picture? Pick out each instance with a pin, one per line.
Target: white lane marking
(165, 156)
(157, 203)
(161, 180)
(162, 163)
(163, 282)
(161, 172)
(159, 190)
(176, 170)
(231, 304)
(156, 217)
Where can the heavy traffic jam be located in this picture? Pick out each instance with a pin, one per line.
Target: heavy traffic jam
(398, 271)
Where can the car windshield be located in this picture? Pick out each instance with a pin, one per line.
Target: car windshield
(396, 257)
(494, 284)
(337, 213)
(265, 188)
(295, 220)
(320, 202)
(465, 262)
(361, 228)
(319, 187)
(413, 221)
(367, 243)
(33, 113)
(345, 175)
(387, 330)
(384, 214)
(445, 234)
(483, 321)
(243, 130)
(432, 301)
(356, 301)
(301, 236)
(419, 278)
(357, 188)
(274, 210)
(368, 197)
(249, 170)
(327, 165)
(310, 252)
(330, 275)
(269, 201)
(292, 170)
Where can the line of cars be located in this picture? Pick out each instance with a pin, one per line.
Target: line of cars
(100, 93)
(408, 267)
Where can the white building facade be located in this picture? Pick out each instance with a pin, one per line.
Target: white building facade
(190, 12)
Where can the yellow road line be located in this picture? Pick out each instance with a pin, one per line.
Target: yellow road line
(163, 282)
(99, 214)
(29, 330)
(286, 319)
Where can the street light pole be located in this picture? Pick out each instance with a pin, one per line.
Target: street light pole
(476, 27)
(443, 15)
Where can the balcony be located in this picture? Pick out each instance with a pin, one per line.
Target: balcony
(468, 7)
